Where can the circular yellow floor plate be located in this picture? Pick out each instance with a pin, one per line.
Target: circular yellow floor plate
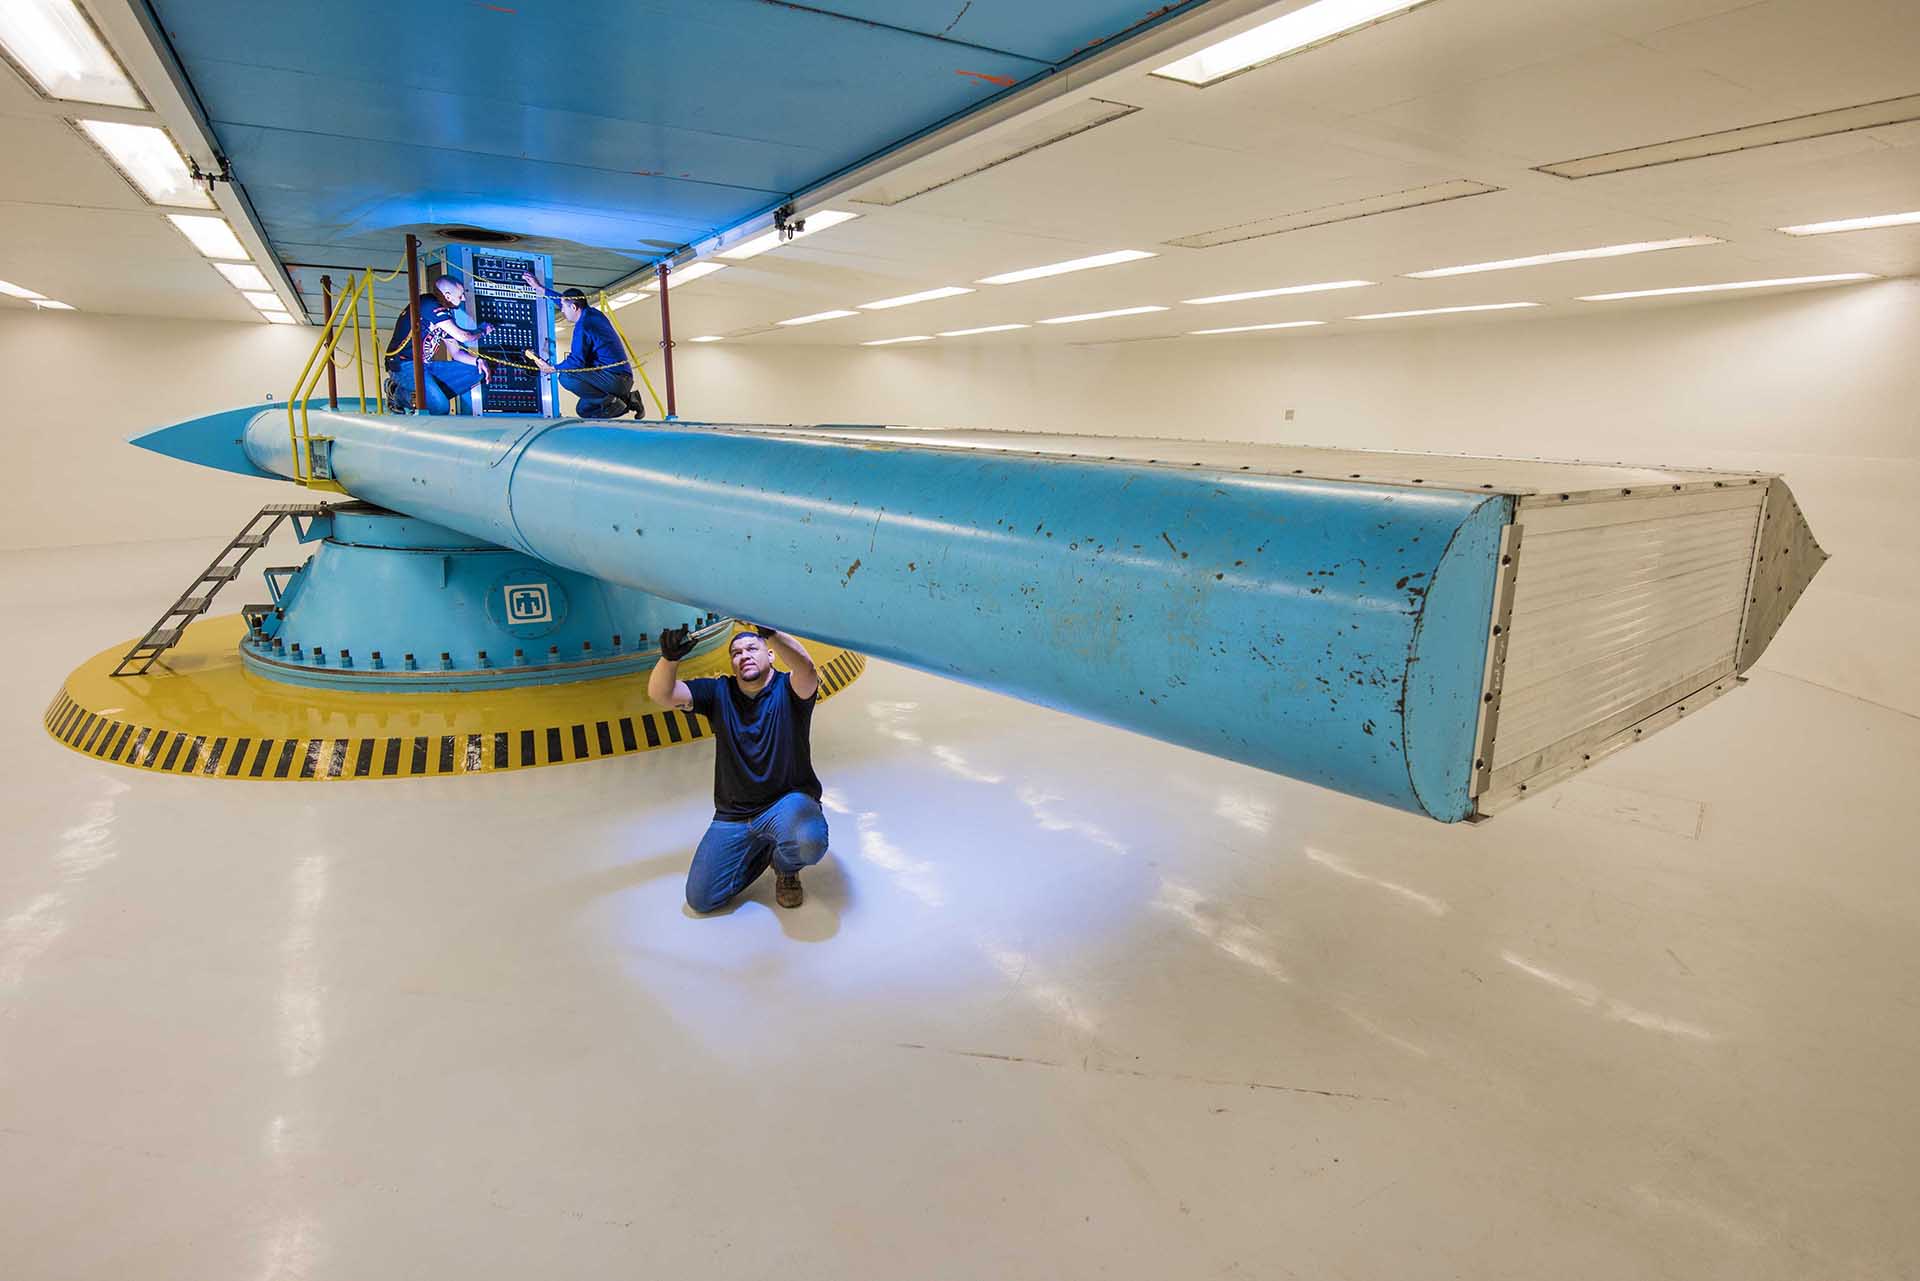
(201, 713)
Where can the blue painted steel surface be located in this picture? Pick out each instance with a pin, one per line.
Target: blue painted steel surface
(1332, 632)
(596, 125)
(391, 585)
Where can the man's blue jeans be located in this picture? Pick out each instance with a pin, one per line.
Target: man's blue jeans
(791, 834)
(445, 380)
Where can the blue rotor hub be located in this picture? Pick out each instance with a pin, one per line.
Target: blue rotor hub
(390, 602)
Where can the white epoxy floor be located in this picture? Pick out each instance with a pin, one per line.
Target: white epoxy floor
(1063, 1003)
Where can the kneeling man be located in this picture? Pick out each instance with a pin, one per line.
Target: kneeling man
(766, 798)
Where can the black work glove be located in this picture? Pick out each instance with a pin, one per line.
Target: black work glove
(675, 644)
(487, 327)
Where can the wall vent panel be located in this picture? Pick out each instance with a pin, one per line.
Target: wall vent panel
(1821, 124)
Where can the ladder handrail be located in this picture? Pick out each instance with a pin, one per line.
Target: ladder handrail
(159, 638)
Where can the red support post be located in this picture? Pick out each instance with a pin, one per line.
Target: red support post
(413, 317)
(326, 339)
(666, 341)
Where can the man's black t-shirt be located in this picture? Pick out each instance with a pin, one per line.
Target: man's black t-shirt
(761, 748)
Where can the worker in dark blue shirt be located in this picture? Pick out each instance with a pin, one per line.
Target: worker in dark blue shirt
(439, 327)
(766, 797)
(596, 370)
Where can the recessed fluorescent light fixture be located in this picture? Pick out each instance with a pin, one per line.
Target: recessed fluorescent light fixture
(925, 295)
(888, 342)
(1275, 293)
(1853, 224)
(678, 276)
(52, 41)
(983, 329)
(211, 236)
(48, 304)
(817, 221)
(1733, 284)
(1244, 329)
(277, 317)
(706, 338)
(264, 301)
(818, 316)
(1062, 268)
(145, 154)
(1568, 255)
(19, 291)
(621, 300)
(1301, 29)
(1444, 311)
(242, 275)
(1100, 315)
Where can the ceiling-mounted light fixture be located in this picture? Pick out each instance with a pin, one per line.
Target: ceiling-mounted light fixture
(1276, 293)
(1444, 311)
(818, 316)
(242, 275)
(981, 329)
(925, 295)
(48, 304)
(211, 236)
(147, 157)
(1247, 329)
(1780, 282)
(55, 44)
(1062, 268)
(19, 291)
(1100, 315)
(1854, 224)
(888, 342)
(1290, 33)
(1568, 255)
(678, 276)
(819, 220)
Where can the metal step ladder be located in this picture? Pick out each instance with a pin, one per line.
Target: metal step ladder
(193, 602)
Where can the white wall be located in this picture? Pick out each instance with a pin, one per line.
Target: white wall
(76, 386)
(1822, 386)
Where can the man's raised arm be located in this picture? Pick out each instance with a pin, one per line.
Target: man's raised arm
(664, 685)
(800, 671)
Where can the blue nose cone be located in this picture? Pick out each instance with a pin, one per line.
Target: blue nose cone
(217, 441)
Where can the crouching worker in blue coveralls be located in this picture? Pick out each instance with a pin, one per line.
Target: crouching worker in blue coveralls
(766, 798)
(596, 369)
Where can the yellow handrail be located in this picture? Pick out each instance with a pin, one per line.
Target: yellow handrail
(359, 368)
(308, 380)
(373, 346)
(639, 366)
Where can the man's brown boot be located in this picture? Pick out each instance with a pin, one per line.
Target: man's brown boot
(786, 889)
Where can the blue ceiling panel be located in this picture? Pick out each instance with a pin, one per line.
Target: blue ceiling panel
(1049, 30)
(624, 127)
